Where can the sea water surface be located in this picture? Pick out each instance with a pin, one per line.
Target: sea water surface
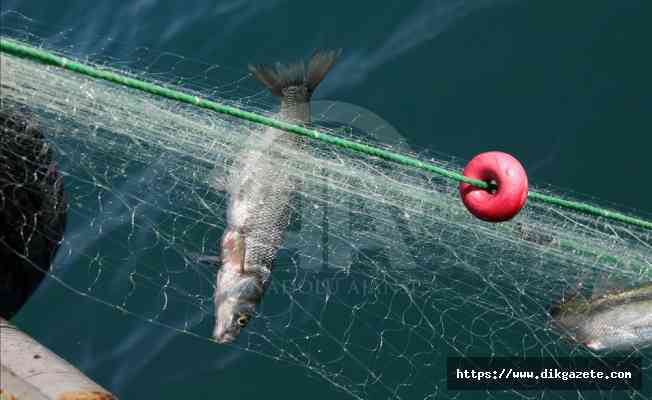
(565, 86)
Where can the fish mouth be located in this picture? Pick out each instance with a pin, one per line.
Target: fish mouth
(224, 338)
(594, 344)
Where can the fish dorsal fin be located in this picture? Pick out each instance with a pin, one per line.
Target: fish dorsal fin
(606, 285)
(203, 259)
(218, 178)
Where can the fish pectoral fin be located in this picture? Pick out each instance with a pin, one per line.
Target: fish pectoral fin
(243, 255)
(234, 248)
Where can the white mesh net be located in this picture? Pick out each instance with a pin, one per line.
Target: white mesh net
(383, 274)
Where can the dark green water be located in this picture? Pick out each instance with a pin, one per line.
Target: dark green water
(564, 86)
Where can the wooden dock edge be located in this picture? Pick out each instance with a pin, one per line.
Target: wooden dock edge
(28, 370)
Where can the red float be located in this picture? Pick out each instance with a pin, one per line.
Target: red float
(509, 194)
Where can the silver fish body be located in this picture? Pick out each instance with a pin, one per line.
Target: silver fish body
(257, 218)
(260, 189)
(615, 321)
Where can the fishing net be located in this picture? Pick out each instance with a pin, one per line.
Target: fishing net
(384, 273)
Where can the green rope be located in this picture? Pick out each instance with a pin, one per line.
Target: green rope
(25, 51)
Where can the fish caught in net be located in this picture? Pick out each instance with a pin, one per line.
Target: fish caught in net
(382, 275)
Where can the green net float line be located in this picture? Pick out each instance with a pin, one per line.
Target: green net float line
(42, 56)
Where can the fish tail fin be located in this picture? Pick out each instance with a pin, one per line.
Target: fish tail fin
(319, 65)
(280, 76)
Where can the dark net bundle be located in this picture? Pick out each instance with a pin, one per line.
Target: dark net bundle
(32, 207)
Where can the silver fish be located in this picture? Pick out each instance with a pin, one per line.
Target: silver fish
(617, 320)
(259, 190)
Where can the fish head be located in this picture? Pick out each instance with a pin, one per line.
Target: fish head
(236, 296)
(232, 315)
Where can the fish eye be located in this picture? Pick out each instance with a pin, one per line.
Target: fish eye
(243, 319)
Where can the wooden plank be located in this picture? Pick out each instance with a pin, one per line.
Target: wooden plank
(31, 371)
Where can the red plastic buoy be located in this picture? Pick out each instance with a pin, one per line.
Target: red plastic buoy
(510, 194)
